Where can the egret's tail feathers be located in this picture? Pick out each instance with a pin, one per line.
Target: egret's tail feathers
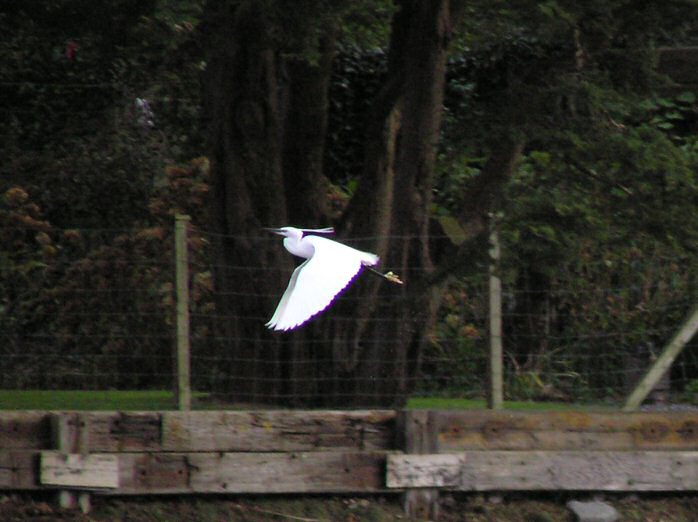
(369, 259)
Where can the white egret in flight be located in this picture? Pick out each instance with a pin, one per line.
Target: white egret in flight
(328, 269)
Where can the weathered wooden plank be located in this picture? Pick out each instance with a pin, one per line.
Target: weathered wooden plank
(212, 472)
(72, 470)
(119, 431)
(325, 472)
(278, 430)
(551, 470)
(480, 430)
(18, 469)
(203, 431)
(424, 471)
(154, 473)
(585, 470)
(25, 430)
(304, 472)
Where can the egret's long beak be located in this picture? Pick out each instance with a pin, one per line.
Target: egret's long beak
(274, 231)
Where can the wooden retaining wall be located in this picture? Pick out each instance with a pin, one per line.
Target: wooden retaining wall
(412, 452)
(196, 452)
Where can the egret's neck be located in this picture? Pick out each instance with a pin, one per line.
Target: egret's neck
(298, 247)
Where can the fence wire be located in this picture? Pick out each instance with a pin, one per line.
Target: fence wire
(95, 309)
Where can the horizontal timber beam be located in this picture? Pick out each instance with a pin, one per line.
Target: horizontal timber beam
(547, 471)
(208, 472)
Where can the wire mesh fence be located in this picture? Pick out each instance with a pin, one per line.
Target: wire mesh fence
(96, 309)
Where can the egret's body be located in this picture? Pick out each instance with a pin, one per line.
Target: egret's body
(328, 269)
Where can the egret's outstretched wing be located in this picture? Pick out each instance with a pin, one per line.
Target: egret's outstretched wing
(315, 283)
(278, 313)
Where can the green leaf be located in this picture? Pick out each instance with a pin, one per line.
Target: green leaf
(686, 97)
(647, 105)
(548, 8)
(452, 229)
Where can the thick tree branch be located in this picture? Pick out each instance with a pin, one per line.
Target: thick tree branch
(483, 198)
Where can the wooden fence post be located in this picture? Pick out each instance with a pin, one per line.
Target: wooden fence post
(69, 435)
(664, 361)
(418, 433)
(495, 394)
(182, 342)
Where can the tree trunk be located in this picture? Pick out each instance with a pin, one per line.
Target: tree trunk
(304, 136)
(241, 97)
(266, 119)
(377, 355)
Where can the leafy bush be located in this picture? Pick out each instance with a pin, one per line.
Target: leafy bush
(94, 307)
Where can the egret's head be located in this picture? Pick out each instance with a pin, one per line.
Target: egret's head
(297, 233)
(287, 231)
